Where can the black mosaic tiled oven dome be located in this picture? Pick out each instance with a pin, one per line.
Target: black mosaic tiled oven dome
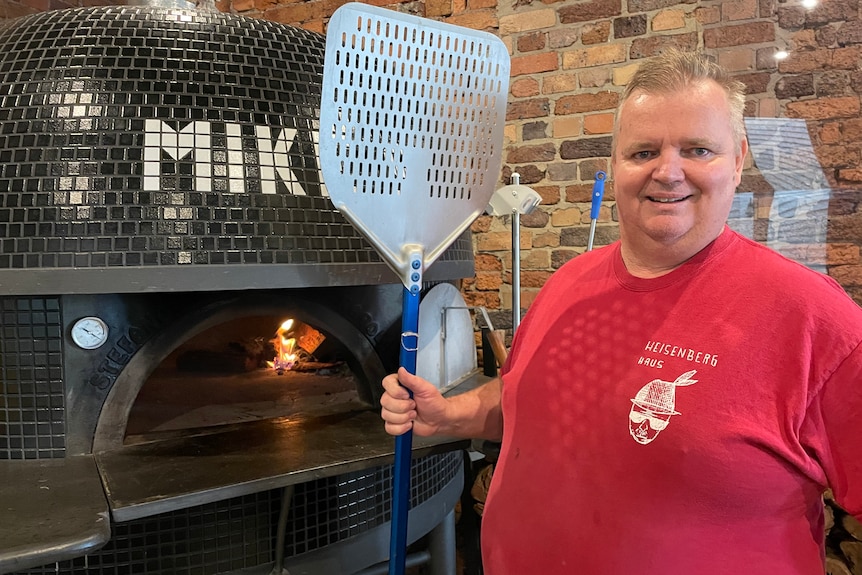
(148, 155)
(164, 147)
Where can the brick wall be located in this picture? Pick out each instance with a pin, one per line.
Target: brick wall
(570, 61)
(16, 8)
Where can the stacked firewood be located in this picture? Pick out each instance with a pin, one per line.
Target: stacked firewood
(843, 540)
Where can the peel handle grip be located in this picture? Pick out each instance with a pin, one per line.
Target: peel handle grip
(404, 442)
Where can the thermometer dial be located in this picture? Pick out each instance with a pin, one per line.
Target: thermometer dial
(90, 332)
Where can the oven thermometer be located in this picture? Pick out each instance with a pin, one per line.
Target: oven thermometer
(90, 332)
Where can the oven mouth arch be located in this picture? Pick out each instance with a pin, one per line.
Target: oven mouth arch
(361, 356)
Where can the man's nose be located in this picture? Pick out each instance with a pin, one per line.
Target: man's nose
(669, 167)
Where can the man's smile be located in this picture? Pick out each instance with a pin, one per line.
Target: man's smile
(667, 200)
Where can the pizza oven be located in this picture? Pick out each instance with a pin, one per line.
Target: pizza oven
(191, 336)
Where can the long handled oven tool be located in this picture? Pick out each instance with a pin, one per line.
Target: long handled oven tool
(411, 128)
(598, 193)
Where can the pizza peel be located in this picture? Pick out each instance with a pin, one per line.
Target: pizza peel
(411, 129)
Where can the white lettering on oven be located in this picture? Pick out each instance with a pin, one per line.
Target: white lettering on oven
(196, 139)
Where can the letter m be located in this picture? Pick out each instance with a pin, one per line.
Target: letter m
(194, 137)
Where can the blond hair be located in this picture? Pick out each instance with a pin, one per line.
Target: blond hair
(675, 69)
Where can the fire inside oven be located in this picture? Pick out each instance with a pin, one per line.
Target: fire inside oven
(243, 370)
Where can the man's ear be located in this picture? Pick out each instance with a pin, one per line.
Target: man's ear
(740, 159)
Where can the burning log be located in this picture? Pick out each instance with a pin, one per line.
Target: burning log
(293, 344)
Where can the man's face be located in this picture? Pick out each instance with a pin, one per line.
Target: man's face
(676, 167)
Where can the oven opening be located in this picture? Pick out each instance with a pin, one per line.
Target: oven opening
(243, 370)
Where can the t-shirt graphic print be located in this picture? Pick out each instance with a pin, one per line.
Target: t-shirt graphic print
(653, 405)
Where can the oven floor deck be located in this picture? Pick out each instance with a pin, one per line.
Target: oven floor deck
(154, 477)
(145, 479)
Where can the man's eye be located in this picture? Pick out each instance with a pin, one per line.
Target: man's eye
(642, 155)
(700, 152)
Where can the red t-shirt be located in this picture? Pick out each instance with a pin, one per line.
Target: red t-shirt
(686, 424)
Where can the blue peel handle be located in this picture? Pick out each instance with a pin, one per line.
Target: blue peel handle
(598, 193)
(404, 443)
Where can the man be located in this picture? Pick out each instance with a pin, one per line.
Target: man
(677, 402)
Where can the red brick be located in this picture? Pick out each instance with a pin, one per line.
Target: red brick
(524, 88)
(488, 300)
(707, 15)
(550, 194)
(478, 20)
(850, 176)
(494, 241)
(536, 108)
(559, 83)
(815, 254)
(846, 58)
(546, 240)
(851, 32)
(536, 259)
(738, 10)
(580, 103)
(737, 35)
(537, 219)
(650, 5)
(579, 193)
(561, 256)
(488, 262)
(534, 278)
(830, 133)
(528, 296)
(11, 10)
(838, 156)
(596, 33)
(535, 63)
(242, 5)
(833, 11)
(481, 224)
(594, 77)
(589, 11)
(668, 20)
(436, 8)
(847, 275)
(652, 45)
(295, 13)
(599, 123)
(824, 108)
(481, 4)
(488, 281)
(532, 42)
(562, 38)
(562, 171)
(805, 61)
(541, 153)
(837, 254)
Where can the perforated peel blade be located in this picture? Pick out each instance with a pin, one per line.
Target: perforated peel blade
(411, 128)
